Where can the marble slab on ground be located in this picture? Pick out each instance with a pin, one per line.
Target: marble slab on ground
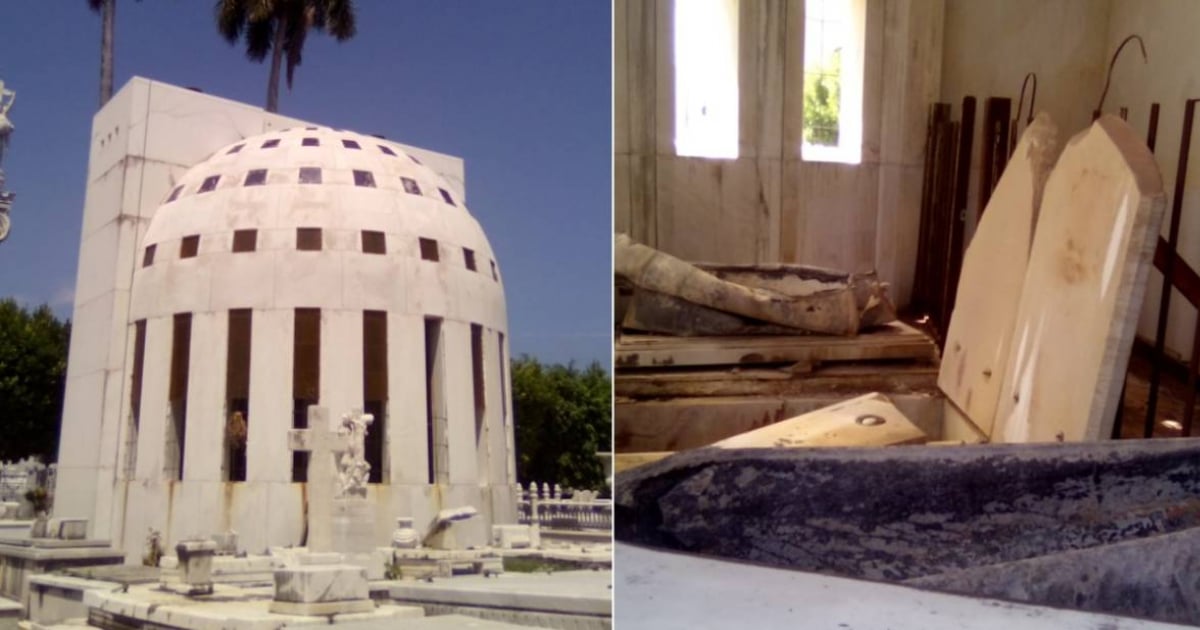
(440, 622)
(228, 608)
(668, 590)
(567, 592)
(10, 613)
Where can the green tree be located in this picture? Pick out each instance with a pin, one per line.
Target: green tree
(563, 418)
(280, 28)
(33, 371)
(822, 102)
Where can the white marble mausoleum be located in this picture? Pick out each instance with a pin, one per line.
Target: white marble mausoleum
(238, 266)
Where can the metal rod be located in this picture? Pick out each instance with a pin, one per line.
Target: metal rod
(1111, 64)
(1152, 131)
(1164, 301)
(1012, 143)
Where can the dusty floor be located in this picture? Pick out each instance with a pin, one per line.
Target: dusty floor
(1171, 397)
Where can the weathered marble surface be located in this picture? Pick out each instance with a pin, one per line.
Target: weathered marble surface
(1151, 577)
(897, 514)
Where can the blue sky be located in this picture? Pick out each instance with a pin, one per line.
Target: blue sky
(519, 89)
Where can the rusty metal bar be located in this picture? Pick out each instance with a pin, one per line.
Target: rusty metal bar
(994, 145)
(1164, 302)
(1111, 64)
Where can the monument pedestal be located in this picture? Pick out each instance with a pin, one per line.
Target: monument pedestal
(353, 527)
(321, 589)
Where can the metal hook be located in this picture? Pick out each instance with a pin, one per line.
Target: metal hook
(1032, 97)
(1111, 64)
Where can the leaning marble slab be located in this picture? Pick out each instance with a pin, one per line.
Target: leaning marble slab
(1100, 214)
(993, 273)
(868, 420)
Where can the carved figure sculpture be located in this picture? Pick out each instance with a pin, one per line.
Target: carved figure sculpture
(353, 469)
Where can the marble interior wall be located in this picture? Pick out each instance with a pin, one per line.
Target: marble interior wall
(990, 46)
(1171, 76)
(770, 205)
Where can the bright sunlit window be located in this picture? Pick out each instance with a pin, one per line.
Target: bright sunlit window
(706, 78)
(833, 80)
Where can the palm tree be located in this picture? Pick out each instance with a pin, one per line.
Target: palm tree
(107, 10)
(280, 26)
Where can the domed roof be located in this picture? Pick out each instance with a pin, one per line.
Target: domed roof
(322, 205)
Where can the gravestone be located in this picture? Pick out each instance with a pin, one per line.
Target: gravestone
(340, 518)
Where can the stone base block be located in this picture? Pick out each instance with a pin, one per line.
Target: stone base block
(321, 583)
(321, 609)
(418, 564)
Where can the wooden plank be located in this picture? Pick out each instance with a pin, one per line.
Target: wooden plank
(1101, 214)
(894, 341)
(846, 379)
(957, 428)
(683, 424)
(869, 420)
(993, 273)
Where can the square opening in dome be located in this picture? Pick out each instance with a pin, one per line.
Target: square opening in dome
(189, 246)
(270, 144)
(308, 239)
(446, 196)
(256, 177)
(364, 178)
(310, 142)
(310, 175)
(373, 242)
(209, 184)
(429, 249)
(386, 150)
(350, 144)
(410, 186)
(245, 240)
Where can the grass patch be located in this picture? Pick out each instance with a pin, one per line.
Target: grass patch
(533, 564)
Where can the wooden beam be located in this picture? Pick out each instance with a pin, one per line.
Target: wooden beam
(894, 341)
(869, 420)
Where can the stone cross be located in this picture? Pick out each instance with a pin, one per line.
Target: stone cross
(336, 468)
